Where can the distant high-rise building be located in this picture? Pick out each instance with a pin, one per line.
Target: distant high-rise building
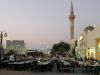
(17, 45)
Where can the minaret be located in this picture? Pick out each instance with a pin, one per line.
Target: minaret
(71, 18)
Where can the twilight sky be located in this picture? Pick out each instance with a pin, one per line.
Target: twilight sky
(42, 23)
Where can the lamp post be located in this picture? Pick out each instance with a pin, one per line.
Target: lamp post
(2, 35)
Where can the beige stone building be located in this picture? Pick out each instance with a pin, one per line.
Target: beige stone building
(81, 45)
(93, 43)
(89, 43)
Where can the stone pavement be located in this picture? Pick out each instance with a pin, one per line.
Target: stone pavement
(8, 72)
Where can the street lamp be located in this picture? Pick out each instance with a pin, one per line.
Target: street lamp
(2, 35)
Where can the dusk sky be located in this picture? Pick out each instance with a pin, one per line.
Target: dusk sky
(41, 23)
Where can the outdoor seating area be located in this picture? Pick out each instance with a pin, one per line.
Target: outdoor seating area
(23, 65)
(48, 65)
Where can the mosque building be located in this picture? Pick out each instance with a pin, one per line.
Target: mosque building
(88, 43)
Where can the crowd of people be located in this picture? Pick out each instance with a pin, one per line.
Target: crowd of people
(43, 62)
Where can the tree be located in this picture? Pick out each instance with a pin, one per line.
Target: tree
(60, 47)
(11, 52)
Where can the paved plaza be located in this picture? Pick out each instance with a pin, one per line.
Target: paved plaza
(8, 72)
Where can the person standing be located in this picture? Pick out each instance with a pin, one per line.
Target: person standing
(12, 58)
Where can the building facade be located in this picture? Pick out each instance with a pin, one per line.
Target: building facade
(93, 43)
(89, 43)
(17, 45)
(81, 45)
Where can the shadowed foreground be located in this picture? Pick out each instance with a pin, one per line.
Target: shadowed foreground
(8, 72)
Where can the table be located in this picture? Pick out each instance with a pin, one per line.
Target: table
(22, 65)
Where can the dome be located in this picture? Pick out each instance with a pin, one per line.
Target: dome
(88, 28)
